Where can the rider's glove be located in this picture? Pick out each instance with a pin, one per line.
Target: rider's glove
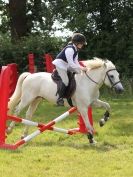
(84, 69)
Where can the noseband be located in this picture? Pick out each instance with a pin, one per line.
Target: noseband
(107, 74)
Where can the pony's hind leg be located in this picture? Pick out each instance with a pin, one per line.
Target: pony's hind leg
(31, 109)
(23, 103)
(10, 127)
(99, 103)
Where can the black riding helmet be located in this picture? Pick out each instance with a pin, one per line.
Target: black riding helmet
(78, 38)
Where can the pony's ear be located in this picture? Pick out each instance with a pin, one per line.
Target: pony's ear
(105, 65)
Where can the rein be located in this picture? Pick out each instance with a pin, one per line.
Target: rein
(91, 78)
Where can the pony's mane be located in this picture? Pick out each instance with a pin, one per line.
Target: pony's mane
(94, 63)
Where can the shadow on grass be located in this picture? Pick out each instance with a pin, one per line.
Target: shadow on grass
(99, 147)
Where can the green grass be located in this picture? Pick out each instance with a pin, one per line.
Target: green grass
(57, 155)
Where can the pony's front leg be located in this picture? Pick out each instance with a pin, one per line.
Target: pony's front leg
(84, 113)
(99, 103)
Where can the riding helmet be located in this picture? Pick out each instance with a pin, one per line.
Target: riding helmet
(78, 38)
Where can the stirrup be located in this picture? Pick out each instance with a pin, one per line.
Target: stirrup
(60, 102)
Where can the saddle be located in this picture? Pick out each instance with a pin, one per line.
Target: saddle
(71, 86)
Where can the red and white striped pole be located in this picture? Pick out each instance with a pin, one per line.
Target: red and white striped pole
(36, 124)
(45, 127)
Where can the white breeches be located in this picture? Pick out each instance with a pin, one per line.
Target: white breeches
(63, 74)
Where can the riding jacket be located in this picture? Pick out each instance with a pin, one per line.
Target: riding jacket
(67, 59)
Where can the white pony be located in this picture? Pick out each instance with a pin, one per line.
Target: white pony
(31, 88)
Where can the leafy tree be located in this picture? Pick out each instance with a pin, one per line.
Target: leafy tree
(107, 24)
(18, 52)
(18, 19)
(22, 18)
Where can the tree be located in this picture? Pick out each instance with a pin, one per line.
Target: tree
(22, 18)
(18, 19)
(107, 24)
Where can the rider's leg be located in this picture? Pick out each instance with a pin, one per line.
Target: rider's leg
(64, 77)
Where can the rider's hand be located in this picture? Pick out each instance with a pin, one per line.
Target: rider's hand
(84, 69)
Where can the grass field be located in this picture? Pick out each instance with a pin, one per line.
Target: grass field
(57, 155)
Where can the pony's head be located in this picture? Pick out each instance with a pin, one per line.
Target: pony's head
(111, 75)
(111, 78)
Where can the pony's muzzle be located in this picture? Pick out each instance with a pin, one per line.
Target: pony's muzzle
(119, 88)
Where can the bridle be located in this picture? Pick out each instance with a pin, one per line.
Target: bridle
(112, 83)
(106, 74)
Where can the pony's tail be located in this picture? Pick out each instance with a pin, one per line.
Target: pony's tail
(15, 98)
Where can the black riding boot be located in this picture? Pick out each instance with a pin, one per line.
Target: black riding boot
(61, 93)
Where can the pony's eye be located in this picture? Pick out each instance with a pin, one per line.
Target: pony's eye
(111, 76)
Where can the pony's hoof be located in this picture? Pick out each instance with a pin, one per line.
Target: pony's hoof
(92, 142)
(60, 102)
(23, 136)
(101, 122)
(9, 130)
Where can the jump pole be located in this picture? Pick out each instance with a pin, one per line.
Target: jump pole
(44, 127)
(41, 128)
(39, 125)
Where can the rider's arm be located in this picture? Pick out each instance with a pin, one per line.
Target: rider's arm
(74, 64)
(83, 68)
(69, 52)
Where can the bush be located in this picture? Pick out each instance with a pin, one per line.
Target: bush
(18, 52)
